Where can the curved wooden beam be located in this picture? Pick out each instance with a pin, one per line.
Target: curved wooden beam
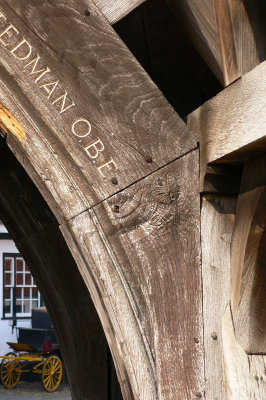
(248, 255)
(77, 325)
(119, 170)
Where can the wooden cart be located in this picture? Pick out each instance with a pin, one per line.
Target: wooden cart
(24, 359)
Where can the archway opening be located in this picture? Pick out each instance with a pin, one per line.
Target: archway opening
(36, 233)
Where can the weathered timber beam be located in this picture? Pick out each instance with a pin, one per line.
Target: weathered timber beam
(244, 374)
(111, 108)
(78, 328)
(217, 222)
(114, 10)
(231, 127)
(230, 373)
(248, 257)
(90, 125)
(149, 241)
(228, 34)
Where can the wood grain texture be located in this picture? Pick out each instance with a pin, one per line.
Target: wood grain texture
(114, 10)
(37, 236)
(48, 164)
(108, 87)
(8, 123)
(225, 31)
(161, 46)
(229, 34)
(231, 126)
(126, 110)
(91, 250)
(245, 375)
(217, 221)
(147, 265)
(248, 255)
(249, 31)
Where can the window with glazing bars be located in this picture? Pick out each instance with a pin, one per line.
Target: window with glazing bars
(20, 293)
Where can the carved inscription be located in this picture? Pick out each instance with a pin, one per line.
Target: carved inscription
(24, 53)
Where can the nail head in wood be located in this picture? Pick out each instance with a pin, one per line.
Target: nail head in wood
(214, 335)
(87, 12)
(116, 208)
(148, 159)
(199, 395)
(196, 340)
(114, 180)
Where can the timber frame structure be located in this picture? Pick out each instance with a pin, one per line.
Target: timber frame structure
(137, 226)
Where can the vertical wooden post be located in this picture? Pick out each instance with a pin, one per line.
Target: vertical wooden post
(217, 221)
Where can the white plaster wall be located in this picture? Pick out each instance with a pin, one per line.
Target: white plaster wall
(6, 334)
(2, 227)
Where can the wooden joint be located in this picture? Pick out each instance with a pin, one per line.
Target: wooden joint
(222, 179)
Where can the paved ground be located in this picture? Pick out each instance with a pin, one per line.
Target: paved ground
(34, 391)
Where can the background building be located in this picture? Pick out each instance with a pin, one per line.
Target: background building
(18, 291)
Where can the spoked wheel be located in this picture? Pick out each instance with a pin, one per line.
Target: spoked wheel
(10, 371)
(52, 373)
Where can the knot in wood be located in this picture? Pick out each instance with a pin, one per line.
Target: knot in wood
(147, 205)
(116, 208)
(165, 192)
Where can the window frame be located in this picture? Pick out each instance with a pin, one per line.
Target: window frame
(13, 285)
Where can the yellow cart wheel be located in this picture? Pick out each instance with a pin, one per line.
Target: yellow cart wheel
(10, 371)
(52, 373)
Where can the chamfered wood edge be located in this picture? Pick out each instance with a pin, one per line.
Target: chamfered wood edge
(226, 39)
(178, 131)
(36, 234)
(89, 230)
(231, 126)
(14, 131)
(114, 10)
(244, 375)
(217, 221)
(248, 249)
(230, 372)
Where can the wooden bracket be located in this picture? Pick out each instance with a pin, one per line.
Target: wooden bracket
(231, 126)
(248, 259)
